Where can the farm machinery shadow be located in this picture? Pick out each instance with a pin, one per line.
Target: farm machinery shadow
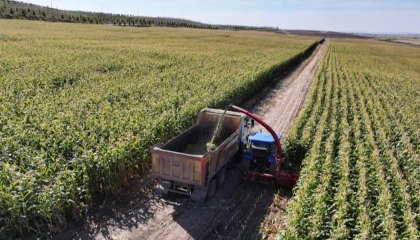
(236, 211)
(130, 208)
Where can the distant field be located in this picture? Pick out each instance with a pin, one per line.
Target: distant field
(82, 104)
(410, 41)
(360, 128)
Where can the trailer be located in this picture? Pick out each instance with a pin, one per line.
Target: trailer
(184, 165)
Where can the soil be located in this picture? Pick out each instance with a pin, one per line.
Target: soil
(238, 210)
(279, 105)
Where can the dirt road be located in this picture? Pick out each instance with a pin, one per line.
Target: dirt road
(238, 208)
(279, 105)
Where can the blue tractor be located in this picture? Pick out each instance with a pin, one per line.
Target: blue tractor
(260, 152)
(264, 154)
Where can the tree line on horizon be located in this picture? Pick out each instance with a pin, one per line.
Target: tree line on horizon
(21, 10)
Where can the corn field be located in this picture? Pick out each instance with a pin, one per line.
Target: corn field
(359, 138)
(81, 105)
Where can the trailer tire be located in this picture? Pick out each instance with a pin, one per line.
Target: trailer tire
(162, 189)
(199, 195)
(221, 177)
(211, 190)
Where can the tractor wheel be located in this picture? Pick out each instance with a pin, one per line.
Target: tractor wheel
(221, 177)
(251, 166)
(239, 155)
(273, 168)
(211, 189)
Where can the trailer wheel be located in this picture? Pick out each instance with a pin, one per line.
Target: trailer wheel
(221, 177)
(199, 195)
(212, 189)
(162, 189)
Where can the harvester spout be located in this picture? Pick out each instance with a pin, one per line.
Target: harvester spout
(279, 156)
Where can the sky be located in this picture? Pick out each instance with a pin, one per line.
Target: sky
(361, 16)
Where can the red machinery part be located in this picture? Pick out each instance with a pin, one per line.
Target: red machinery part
(286, 179)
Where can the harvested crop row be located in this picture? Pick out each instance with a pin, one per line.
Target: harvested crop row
(367, 187)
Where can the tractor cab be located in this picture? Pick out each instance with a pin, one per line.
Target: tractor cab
(260, 152)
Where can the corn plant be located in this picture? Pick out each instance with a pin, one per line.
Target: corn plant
(81, 105)
(359, 177)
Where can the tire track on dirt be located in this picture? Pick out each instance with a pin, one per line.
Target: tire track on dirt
(280, 106)
(198, 220)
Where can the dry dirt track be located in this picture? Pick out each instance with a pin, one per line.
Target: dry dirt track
(238, 208)
(282, 103)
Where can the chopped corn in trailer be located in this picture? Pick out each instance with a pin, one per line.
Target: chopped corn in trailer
(198, 174)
